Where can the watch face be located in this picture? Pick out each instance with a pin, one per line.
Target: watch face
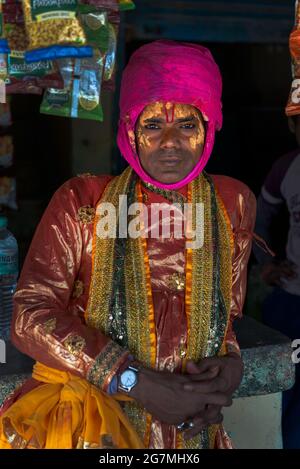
(128, 378)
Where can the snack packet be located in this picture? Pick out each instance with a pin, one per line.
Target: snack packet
(86, 97)
(52, 23)
(30, 78)
(110, 56)
(4, 49)
(1, 20)
(81, 96)
(8, 195)
(57, 52)
(6, 151)
(96, 27)
(23, 77)
(58, 101)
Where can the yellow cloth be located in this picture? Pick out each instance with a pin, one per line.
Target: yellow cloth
(66, 412)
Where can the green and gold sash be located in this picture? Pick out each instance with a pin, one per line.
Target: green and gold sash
(120, 300)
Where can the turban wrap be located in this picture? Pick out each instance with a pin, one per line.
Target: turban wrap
(175, 72)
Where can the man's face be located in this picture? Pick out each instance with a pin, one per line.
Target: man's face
(170, 139)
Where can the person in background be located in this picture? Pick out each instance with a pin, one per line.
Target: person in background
(281, 307)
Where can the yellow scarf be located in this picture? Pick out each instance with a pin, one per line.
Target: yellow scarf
(66, 412)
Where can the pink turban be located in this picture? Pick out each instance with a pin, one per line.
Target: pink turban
(176, 72)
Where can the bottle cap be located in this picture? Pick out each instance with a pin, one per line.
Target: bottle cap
(3, 222)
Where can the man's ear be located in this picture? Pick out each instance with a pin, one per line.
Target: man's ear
(292, 124)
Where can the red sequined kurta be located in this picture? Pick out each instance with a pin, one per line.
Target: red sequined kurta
(53, 287)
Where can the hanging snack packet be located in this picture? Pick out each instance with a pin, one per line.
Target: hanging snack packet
(8, 196)
(52, 22)
(81, 95)
(24, 77)
(6, 151)
(86, 93)
(31, 78)
(96, 27)
(57, 102)
(1, 20)
(110, 56)
(3, 58)
(57, 52)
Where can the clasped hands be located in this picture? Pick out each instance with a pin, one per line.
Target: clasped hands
(196, 396)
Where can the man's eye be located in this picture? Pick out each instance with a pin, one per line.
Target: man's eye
(188, 126)
(152, 126)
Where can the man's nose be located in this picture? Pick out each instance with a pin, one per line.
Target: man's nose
(170, 139)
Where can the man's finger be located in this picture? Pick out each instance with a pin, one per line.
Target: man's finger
(199, 425)
(217, 384)
(211, 373)
(207, 363)
(202, 422)
(217, 398)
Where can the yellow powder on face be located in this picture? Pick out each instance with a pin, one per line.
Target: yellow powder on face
(186, 110)
(143, 140)
(152, 111)
(181, 111)
(197, 140)
(131, 136)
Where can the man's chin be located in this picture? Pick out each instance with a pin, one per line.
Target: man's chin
(170, 177)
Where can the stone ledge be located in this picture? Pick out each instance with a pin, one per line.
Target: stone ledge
(266, 354)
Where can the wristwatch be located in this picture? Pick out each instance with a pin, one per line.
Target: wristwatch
(128, 379)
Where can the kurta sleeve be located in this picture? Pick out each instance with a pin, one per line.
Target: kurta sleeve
(43, 325)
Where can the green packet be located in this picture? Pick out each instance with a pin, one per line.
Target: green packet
(95, 25)
(81, 95)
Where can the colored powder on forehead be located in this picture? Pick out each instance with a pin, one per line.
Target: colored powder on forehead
(152, 111)
(169, 109)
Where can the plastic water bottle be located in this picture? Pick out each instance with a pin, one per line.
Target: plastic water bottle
(8, 276)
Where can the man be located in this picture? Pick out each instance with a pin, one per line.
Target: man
(133, 334)
(282, 305)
